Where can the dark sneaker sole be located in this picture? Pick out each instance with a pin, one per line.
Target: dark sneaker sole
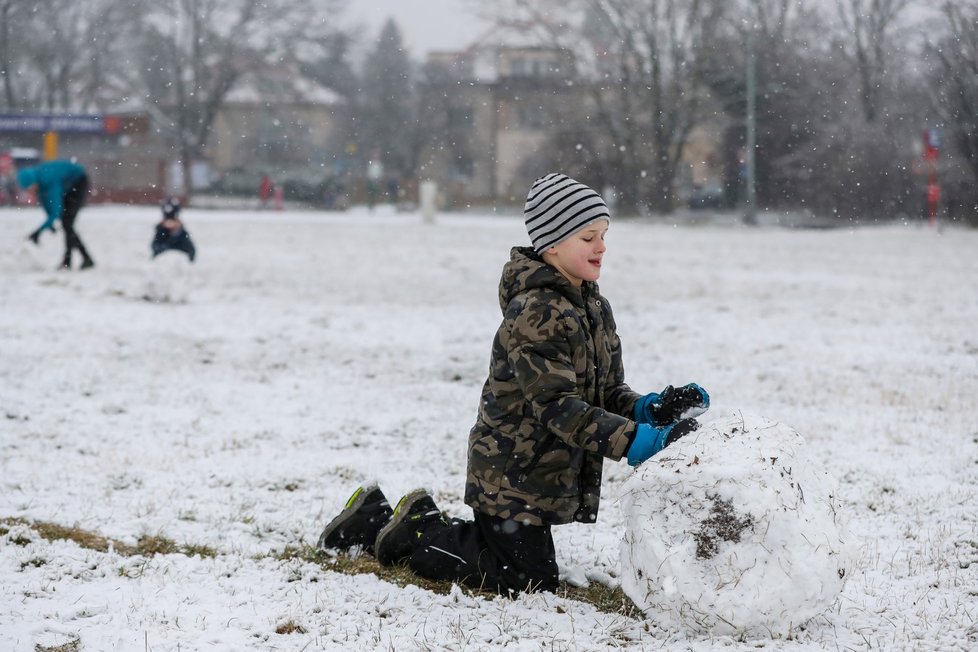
(384, 552)
(353, 504)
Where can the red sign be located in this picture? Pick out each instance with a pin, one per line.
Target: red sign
(932, 144)
(113, 125)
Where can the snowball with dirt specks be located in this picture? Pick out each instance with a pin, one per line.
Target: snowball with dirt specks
(736, 530)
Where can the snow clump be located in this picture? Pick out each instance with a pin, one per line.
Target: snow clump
(734, 530)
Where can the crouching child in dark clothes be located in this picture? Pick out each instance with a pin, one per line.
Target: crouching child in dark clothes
(171, 233)
(554, 406)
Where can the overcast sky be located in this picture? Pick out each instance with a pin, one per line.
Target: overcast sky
(426, 25)
(429, 25)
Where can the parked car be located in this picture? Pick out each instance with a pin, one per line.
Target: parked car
(303, 184)
(237, 182)
(707, 195)
(310, 185)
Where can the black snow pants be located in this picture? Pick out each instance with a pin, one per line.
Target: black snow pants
(489, 553)
(73, 200)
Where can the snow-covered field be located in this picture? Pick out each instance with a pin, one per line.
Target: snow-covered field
(305, 353)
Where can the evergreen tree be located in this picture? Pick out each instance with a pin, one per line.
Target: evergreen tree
(385, 104)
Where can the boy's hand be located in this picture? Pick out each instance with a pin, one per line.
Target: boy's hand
(672, 404)
(649, 439)
(679, 403)
(681, 429)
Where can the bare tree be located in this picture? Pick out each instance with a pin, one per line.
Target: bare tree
(869, 25)
(793, 93)
(957, 98)
(194, 52)
(13, 20)
(641, 59)
(386, 103)
(60, 54)
(815, 149)
(653, 96)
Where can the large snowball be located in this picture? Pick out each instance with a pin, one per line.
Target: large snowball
(734, 529)
(168, 278)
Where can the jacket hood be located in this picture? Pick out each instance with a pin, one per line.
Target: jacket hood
(526, 270)
(26, 177)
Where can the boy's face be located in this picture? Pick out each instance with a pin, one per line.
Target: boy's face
(578, 257)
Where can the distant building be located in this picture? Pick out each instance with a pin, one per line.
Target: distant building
(276, 118)
(503, 107)
(124, 155)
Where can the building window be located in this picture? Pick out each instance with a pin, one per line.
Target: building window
(531, 116)
(459, 118)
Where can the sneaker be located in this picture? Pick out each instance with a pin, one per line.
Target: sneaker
(364, 515)
(397, 539)
(88, 263)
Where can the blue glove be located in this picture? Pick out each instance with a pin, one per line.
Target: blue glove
(672, 404)
(643, 408)
(649, 440)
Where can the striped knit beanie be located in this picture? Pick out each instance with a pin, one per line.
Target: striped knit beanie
(557, 207)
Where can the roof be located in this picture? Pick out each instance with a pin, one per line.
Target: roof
(280, 85)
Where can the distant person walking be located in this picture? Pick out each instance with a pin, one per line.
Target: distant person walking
(62, 187)
(375, 173)
(265, 190)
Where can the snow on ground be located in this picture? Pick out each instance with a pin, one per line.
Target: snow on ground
(305, 353)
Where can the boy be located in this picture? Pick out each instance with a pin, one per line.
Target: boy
(554, 405)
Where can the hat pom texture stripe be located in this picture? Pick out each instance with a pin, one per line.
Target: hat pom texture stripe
(557, 207)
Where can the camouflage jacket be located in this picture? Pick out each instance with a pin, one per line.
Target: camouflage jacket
(554, 403)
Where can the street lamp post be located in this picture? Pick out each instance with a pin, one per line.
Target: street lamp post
(750, 212)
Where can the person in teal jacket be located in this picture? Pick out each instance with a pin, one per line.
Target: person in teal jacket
(62, 187)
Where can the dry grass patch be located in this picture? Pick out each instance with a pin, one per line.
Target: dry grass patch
(290, 627)
(603, 598)
(192, 549)
(147, 546)
(70, 646)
